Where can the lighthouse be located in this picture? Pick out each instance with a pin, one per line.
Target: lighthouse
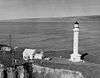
(75, 56)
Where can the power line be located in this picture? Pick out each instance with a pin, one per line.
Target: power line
(10, 40)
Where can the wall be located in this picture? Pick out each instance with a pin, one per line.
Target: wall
(36, 71)
(45, 72)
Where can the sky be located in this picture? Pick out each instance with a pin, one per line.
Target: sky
(16, 9)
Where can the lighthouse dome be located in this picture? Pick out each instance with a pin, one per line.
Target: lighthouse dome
(76, 25)
(76, 22)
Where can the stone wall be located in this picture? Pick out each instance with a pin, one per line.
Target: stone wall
(46, 72)
(36, 71)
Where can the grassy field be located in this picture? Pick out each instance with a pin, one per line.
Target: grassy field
(54, 34)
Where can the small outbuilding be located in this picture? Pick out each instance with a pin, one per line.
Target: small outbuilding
(4, 47)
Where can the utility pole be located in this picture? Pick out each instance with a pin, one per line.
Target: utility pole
(10, 40)
(12, 51)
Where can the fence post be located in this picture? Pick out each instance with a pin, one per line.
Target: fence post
(1, 72)
(20, 71)
(10, 72)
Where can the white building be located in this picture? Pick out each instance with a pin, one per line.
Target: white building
(28, 54)
(38, 55)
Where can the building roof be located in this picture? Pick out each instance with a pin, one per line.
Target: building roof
(4, 45)
(76, 22)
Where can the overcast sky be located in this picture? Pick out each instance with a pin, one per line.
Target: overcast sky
(12, 9)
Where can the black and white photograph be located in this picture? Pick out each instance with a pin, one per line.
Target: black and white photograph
(49, 38)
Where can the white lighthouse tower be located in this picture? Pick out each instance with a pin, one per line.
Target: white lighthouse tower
(75, 57)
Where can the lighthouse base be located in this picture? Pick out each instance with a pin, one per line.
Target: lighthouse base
(75, 58)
